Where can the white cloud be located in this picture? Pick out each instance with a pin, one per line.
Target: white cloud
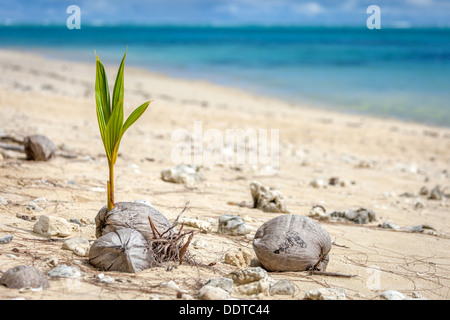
(309, 8)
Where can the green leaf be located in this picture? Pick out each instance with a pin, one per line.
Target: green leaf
(114, 131)
(135, 115)
(102, 98)
(119, 84)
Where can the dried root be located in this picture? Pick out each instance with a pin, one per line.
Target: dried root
(171, 245)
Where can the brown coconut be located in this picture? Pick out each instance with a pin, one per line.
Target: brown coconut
(292, 243)
(130, 215)
(24, 276)
(124, 250)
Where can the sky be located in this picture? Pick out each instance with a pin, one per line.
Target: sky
(401, 13)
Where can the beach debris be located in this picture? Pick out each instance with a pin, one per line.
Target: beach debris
(223, 283)
(418, 204)
(319, 212)
(424, 191)
(233, 225)
(436, 193)
(33, 206)
(392, 295)
(239, 257)
(6, 239)
(79, 246)
(267, 199)
(292, 243)
(203, 226)
(317, 183)
(359, 216)
(199, 243)
(208, 292)
(420, 228)
(389, 225)
(53, 226)
(65, 271)
(39, 148)
(282, 287)
(251, 281)
(187, 174)
(171, 285)
(124, 250)
(3, 201)
(105, 279)
(326, 294)
(24, 276)
(130, 215)
(26, 217)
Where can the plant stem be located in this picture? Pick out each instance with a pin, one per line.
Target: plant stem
(111, 187)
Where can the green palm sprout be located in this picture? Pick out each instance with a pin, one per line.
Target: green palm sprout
(110, 118)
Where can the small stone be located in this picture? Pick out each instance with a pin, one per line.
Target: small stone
(254, 288)
(424, 191)
(267, 199)
(196, 223)
(392, 295)
(389, 225)
(326, 294)
(436, 194)
(208, 292)
(6, 239)
(317, 183)
(187, 174)
(3, 201)
(318, 212)
(233, 225)
(33, 206)
(223, 283)
(238, 257)
(53, 226)
(282, 287)
(80, 246)
(24, 276)
(199, 243)
(107, 279)
(64, 271)
(39, 148)
(418, 204)
(170, 285)
(248, 275)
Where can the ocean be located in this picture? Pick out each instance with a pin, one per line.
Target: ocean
(391, 73)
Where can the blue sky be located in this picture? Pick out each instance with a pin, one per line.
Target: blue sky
(229, 12)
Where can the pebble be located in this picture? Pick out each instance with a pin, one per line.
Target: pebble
(33, 206)
(267, 199)
(282, 287)
(208, 292)
(248, 275)
(392, 295)
(360, 216)
(65, 271)
(3, 201)
(187, 174)
(389, 225)
(53, 226)
(223, 283)
(317, 183)
(6, 239)
(24, 276)
(326, 294)
(196, 223)
(80, 246)
(199, 243)
(239, 257)
(105, 279)
(436, 194)
(233, 225)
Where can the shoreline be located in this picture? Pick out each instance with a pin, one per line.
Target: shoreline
(382, 165)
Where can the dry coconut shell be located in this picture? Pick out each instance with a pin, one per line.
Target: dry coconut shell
(124, 250)
(24, 276)
(130, 215)
(292, 243)
(39, 148)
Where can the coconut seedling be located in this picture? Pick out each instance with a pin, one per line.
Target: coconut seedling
(110, 118)
(131, 236)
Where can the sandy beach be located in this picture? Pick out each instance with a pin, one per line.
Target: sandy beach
(382, 163)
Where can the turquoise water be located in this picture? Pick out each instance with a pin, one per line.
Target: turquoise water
(400, 73)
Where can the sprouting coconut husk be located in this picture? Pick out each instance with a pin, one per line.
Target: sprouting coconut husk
(39, 148)
(292, 243)
(124, 250)
(24, 276)
(130, 215)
